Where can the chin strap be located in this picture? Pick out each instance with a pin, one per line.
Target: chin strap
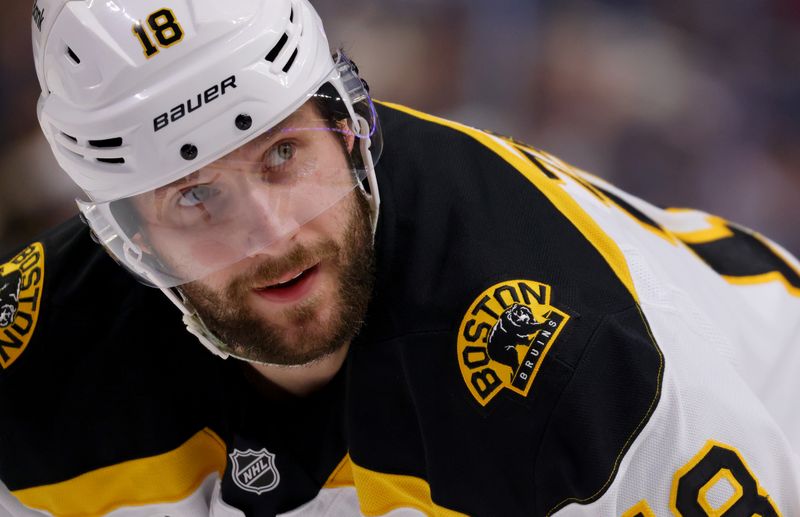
(197, 327)
(373, 194)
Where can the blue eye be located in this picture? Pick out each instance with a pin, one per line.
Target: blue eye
(196, 195)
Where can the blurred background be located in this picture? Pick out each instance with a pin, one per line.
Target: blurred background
(682, 102)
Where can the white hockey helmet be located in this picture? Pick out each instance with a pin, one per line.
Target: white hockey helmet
(139, 95)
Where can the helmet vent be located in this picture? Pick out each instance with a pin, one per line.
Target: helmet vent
(73, 56)
(108, 143)
(277, 48)
(287, 44)
(290, 62)
(109, 150)
(105, 144)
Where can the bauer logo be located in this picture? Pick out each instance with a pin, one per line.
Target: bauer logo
(20, 292)
(254, 471)
(504, 337)
(201, 99)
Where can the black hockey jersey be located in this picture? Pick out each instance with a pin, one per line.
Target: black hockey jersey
(538, 343)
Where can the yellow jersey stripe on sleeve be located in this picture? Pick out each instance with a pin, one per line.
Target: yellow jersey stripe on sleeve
(165, 478)
(380, 493)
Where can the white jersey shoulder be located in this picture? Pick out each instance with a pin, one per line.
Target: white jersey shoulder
(723, 304)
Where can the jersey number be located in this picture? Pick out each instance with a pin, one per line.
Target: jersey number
(694, 483)
(715, 483)
(164, 26)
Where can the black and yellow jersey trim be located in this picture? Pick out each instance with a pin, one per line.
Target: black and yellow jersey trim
(542, 181)
(165, 478)
(380, 493)
(741, 256)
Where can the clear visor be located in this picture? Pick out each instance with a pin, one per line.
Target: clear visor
(246, 201)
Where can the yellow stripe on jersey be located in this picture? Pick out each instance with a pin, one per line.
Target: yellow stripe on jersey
(604, 244)
(772, 276)
(379, 494)
(166, 478)
(640, 509)
(738, 255)
(717, 229)
(342, 475)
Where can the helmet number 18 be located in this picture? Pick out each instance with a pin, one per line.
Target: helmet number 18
(164, 26)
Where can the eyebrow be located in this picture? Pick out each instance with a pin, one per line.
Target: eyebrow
(278, 128)
(160, 192)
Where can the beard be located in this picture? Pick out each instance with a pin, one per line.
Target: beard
(307, 339)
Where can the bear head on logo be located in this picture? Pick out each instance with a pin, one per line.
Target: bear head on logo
(10, 285)
(512, 329)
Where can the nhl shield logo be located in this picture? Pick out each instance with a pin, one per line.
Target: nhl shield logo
(254, 471)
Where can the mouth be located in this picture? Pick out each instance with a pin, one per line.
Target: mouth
(291, 287)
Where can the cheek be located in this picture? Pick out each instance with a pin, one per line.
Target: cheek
(191, 258)
(208, 253)
(335, 226)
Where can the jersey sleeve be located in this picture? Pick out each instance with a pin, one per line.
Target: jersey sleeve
(741, 288)
(723, 305)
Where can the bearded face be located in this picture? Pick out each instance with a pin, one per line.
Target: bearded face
(334, 254)
(285, 216)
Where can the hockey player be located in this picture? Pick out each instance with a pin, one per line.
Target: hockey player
(501, 335)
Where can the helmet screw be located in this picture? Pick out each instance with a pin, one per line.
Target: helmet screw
(244, 122)
(189, 152)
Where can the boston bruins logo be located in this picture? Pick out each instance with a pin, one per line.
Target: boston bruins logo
(504, 337)
(20, 292)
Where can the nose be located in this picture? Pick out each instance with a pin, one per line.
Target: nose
(268, 217)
